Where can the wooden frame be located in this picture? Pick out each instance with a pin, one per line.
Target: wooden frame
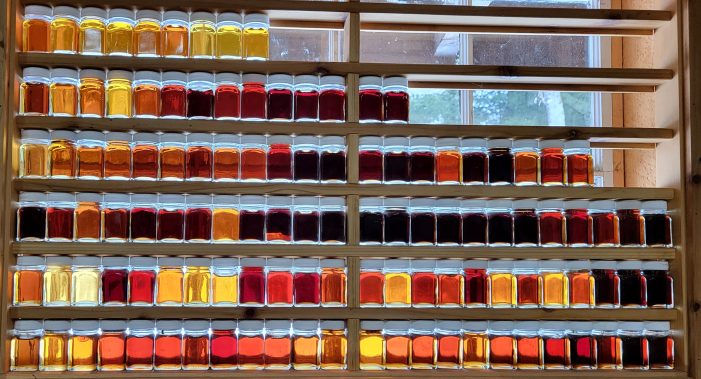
(671, 138)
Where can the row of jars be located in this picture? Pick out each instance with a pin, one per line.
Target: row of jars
(475, 161)
(515, 284)
(93, 217)
(180, 95)
(144, 345)
(172, 281)
(145, 32)
(524, 345)
(63, 154)
(521, 223)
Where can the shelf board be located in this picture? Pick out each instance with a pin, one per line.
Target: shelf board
(411, 190)
(599, 136)
(268, 250)
(453, 17)
(342, 313)
(438, 75)
(357, 374)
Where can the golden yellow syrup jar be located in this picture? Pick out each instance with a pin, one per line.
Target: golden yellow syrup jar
(202, 34)
(120, 30)
(36, 28)
(229, 35)
(64, 30)
(91, 40)
(256, 36)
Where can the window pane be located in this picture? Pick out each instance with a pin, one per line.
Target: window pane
(537, 3)
(434, 106)
(428, 48)
(522, 50)
(306, 45)
(533, 108)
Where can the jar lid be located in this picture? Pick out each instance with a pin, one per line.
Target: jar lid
(58, 261)
(171, 261)
(252, 262)
(202, 16)
(397, 325)
(397, 264)
(655, 266)
(115, 261)
(332, 325)
(526, 264)
(57, 325)
(422, 141)
(30, 260)
(194, 325)
(64, 73)
(500, 265)
(658, 326)
(305, 325)
(602, 204)
(86, 261)
(138, 138)
(113, 325)
(525, 143)
(171, 199)
(550, 143)
(559, 326)
(423, 325)
(576, 204)
(371, 325)
(449, 264)
(332, 263)
(115, 198)
(605, 325)
(223, 325)
(578, 265)
(277, 325)
(118, 136)
(306, 140)
(172, 137)
(60, 197)
(449, 325)
(306, 262)
(654, 205)
(64, 10)
(524, 204)
(528, 326)
(306, 201)
(35, 134)
(475, 325)
(253, 139)
(371, 202)
(143, 261)
(147, 75)
(229, 200)
(421, 202)
(148, 14)
(141, 324)
(423, 264)
(89, 73)
(121, 12)
(473, 143)
(475, 264)
(85, 325)
(251, 325)
(332, 140)
(230, 17)
(40, 10)
(333, 80)
(372, 264)
(198, 200)
(228, 77)
(175, 15)
(119, 74)
(225, 262)
(199, 138)
(629, 265)
(500, 142)
(36, 71)
(580, 144)
(199, 76)
(174, 76)
(226, 138)
(552, 264)
(370, 80)
(279, 201)
(628, 204)
(447, 203)
(473, 204)
(92, 12)
(254, 78)
(500, 203)
(256, 17)
(395, 81)
(448, 142)
(280, 79)
(169, 324)
(603, 265)
(396, 141)
(550, 204)
(501, 325)
(370, 140)
(397, 202)
(306, 79)
(252, 200)
(631, 325)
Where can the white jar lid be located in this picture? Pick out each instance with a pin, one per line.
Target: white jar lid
(306, 140)
(280, 140)
(629, 265)
(199, 138)
(525, 143)
(306, 262)
(64, 73)
(115, 198)
(148, 14)
(449, 264)
(254, 78)
(397, 141)
(172, 137)
(526, 264)
(85, 325)
(371, 325)
(422, 202)
(40, 10)
(400, 202)
(628, 204)
(202, 16)
(500, 265)
(171, 261)
(499, 142)
(58, 261)
(30, 260)
(332, 80)
(501, 325)
(228, 77)
(658, 326)
(279, 201)
(306, 79)
(552, 264)
(223, 325)
(549, 143)
(423, 264)
(36, 71)
(398, 325)
(631, 325)
(576, 204)
(277, 325)
(578, 265)
(196, 325)
(226, 200)
(529, 326)
(499, 203)
(143, 261)
(473, 143)
(332, 202)
(252, 262)
(423, 325)
(524, 204)
(92, 74)
(35, 134)
(332, 140)
(655, 266)
(60, 197)
(397, 264)
(371, 264)
(174, 76)
(475, 264)
(449, 325)
(447, 203)
(475, 325)
(253, 139)
(395, 81)
(119, 74)
(550, 204)
(225, 262)
(448, 142)
(332, 263)
(118, 136)
(285, 263)
(147, 75)
(602, 204)
(169, 324)
(603, 265)
(199, 200)
(138, 138)
(305, 325)
(251, 325)
(369, 80)
(175, 15)
(86, 261)
(230, 17)
(200, 76)
(654, 205)
(64, 10)
(422, 141)
(577, 144)
(121, 12)
(370, 140)
(113, 325)
(57, 325)
(371, 202)
(92, 12)
(306, 201)
(115, 262)
(605, 325)
(332, 325)
(171, 199)
(256, 17)
(280, 79)
(252, 200)
(473, 203)
(226, 138)
(560, 326)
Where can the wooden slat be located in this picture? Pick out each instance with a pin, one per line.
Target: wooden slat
(406, 27)
(594, 20)
(594, 134)
(119, 249)
(357, 374)
(541, 192)
(326, 313)
(550, 77)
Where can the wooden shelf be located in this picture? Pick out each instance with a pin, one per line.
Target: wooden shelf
(411, 190)
(356, 374)
(599, 136)
(342, 313)
(267, 250)
(423, 75)
(423, 17)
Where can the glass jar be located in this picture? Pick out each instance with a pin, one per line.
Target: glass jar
(333, 220)
(202, 34)
(372, 283)
(225, 282)
(252, 282)
(396, 160)
(147, 33)
(27, 280)
(372, 345)
(251, 352)
(370, 159)
(475, 344)
(147, 94)
(119, 39)
(633, 284)
(474, 222)
(476, 283)
(332, 166)
(196, 351)
(552, 162)
(551, 223)
(175, 34)
(631, 224)
(370, 99)
(448, 167)
(448, 227)
(555, 345)
(252, 219)
(253, 97)
(422, 160)
(397, 345)
(279, 97)
(229, 35)
(502, 345)
(54, 346)
(580, 164)
(578, 223)
(169, 281)
(144, 150)
(305, 344)
(448, 344)
(529, 346)
(62, 154)
(57, 281)
(500, 221)
(526, 162)
(660, 285)
(119, 94)
(83, 345)
(118, 156)
(581, 284)
(305, 155)
(451, 283)
(142, 281)
(200, 95)
(556, 286)
(395, 95)
(34, 91)
(85, 286)
(115, 211)
(114, 281)
(167, 348)
(607, 291)
(278, 220)
(658, 224)
(91, 40)
(198, 218)
(171, 151)
(660, 345)
(502, 284)
(256, 38)
(225, 218)
(280, 158)
(63, 92)
(634, 346)
(65, 30)
(92, 93)
(60, 215)
(226, 157)
(396, 221)
(307, 282)
(24, 345)
(306, 98)
(333, 282)
(305, 220)
(171, 218)
(501, 162)
(423, 221)
(227, 96)
(279, 282)
(33, 153)
(475, 165)
(332, 98)
(605, 223)
(397, 279)
(526, 233)
(423, 344)
(529, 284)
(197, 282)
(111, 345)
(223, 345)
(139, 346)
(371, 221)
(173, 94)
(36, 31)
(198, 160)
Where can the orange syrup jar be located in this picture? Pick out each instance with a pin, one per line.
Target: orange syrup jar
(147, 33)
(147, 94)
(64, 30)
(27, 280)
(36, 28)
(24, 346)
(334, 345)
(526, 162)
(91, 154)
(33, 153)
(92, 93)
(63, 92)
(174, 34)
